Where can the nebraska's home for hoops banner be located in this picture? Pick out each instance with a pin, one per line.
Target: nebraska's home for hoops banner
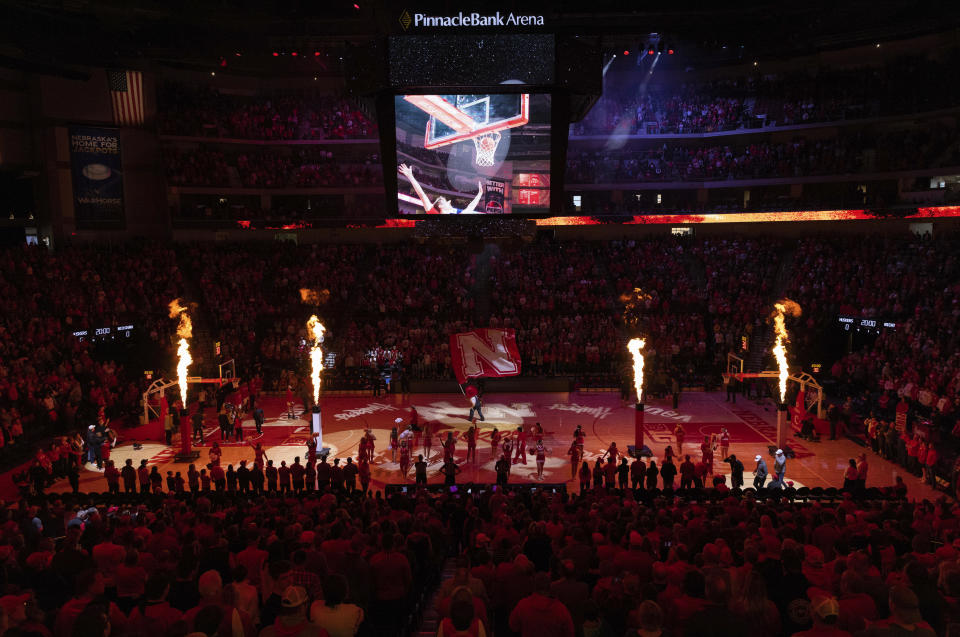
(484, 352)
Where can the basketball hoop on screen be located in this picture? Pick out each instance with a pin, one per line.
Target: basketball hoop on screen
(486, 147)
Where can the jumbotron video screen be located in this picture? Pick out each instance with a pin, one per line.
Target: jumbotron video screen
(483, 153)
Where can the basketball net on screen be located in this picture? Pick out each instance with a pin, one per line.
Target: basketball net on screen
(486, 148)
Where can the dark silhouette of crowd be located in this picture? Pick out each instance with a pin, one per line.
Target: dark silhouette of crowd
(333, 562)
(850, 152)
(197, 111)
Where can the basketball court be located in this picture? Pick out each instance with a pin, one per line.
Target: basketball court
(604, 418)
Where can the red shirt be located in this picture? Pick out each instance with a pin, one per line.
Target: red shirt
(537, 615)
(391, 575)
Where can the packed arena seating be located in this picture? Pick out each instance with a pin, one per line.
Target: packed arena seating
(911, 283)
(50, 379)
(397, 304)
(205, 112)
(300, 167)
(904, 85)
(857, 152)
(172, 564)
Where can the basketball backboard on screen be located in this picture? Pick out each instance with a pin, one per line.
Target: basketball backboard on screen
(460, 118)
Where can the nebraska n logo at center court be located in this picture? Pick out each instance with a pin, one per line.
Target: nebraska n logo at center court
(484, 352)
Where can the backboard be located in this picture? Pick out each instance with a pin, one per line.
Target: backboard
(457, 118)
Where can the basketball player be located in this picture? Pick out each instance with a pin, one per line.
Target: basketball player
(442, 204)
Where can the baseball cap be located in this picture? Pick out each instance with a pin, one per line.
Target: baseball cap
(825, 607)
(293, 597)
(758, 458)
(906, 603)
(779, 452)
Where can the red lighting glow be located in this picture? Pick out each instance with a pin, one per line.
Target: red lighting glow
(626, 52)
(669, 51)
(275, 54)
(316, 54)
(938, 212)
(294, 54)
(649, 51)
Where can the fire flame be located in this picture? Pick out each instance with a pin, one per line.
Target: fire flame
(316, 329)
(783, 307)
(633, 306)
(185, 332)
(634, 346)
(314, 297)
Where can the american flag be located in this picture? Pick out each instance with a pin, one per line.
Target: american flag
(126, 93)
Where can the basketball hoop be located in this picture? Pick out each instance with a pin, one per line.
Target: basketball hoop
(486, 148)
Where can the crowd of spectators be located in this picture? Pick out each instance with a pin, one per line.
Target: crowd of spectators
(909, 287)
(858, 152)
(525, 563)
(905, 85)
(50, 377)
(298, 168)
(206, 112)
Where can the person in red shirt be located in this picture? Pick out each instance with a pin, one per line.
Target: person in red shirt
(219, 477)
(540, 614)
(204, 480)
(929, 465)
(574, 453)
(862, 469)
(724, 443)
(427, 440)
(155, 617)
(214, 453)
(495, 437)
(113, 478)
(364, 469)
(404, 459)
(521, 446)
(449, 445)
(612, 453)
(90, 585)
(284, 474)
(706, 453)
(585, 474)
(679, 433)
(392, 579)
(638, 470)
(610, 473)
(472, 443)
(394, 444)
(193, 478)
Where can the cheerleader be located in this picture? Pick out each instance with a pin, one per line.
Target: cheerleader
(449, 446)
(680, 433)
(541, 455)
(507, 447)
(472, 443)
(668, 454)
(427, 440)
(495, 437)
(311, 449)
(362, 450)
(612, 452)
(260, 456)
(394, 443)
(404, 458)
(575, 452)
(706, 451)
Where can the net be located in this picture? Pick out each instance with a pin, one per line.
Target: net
(486, 148)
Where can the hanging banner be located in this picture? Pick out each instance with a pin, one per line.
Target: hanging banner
(95, 165)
